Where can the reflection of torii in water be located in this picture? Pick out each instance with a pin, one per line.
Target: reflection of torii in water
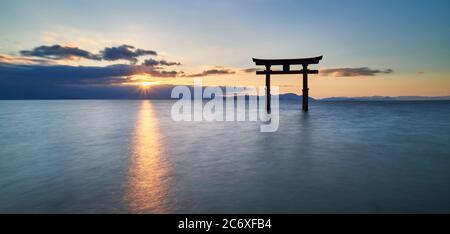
(286, 63)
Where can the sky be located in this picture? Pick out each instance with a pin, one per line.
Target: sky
(77, 48)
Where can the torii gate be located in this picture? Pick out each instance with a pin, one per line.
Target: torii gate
(286, 63)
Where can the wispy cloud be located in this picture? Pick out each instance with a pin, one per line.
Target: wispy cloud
(154, 62)
(351, 72)
(340, 72)
(58, 52)
(9, 59)
(217, 71)
(125, 52)
(250, 70)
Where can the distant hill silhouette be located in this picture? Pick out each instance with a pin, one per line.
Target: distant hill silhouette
(14, 92)
(386, 98)
(293, 97)
(287, 97)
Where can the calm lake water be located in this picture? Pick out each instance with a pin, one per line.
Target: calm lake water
(104, 156)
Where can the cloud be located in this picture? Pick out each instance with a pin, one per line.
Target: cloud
(340, 72)
(36, 75)
(219, 71)
(350, 72)
(125, 52)
(58, 52)
(61, 74)
(39, 70)
(153, 62)
(154, 71)
(250, 70)
(4, 58)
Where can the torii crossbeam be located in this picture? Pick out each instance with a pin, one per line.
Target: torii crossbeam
(286, 63)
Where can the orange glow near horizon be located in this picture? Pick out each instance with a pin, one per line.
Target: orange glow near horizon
(397, 84)
(148, 183)
(146, 84)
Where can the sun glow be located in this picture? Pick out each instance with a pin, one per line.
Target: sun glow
(146, 84)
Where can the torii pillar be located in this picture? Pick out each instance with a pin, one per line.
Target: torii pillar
(286, 63)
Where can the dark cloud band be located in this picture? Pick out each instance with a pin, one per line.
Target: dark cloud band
(38, 75)
(351, 72)
(58, 52)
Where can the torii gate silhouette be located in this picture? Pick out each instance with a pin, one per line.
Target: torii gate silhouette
(286, 63)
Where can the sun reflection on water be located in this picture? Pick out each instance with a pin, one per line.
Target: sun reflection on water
(148, 181)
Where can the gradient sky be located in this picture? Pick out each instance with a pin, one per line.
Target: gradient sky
(412, 38)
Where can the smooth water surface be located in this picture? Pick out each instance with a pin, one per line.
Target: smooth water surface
(129, 156)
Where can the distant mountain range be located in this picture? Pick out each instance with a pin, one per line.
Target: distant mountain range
(295, 97)
(386, 98)
(289, 97)
(12, 92)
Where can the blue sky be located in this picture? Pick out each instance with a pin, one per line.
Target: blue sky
(409, 37)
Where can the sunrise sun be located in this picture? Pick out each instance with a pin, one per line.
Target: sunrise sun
(146, 84)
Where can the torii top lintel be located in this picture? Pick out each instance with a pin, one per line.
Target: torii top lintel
(286, 63)
(302, 61)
